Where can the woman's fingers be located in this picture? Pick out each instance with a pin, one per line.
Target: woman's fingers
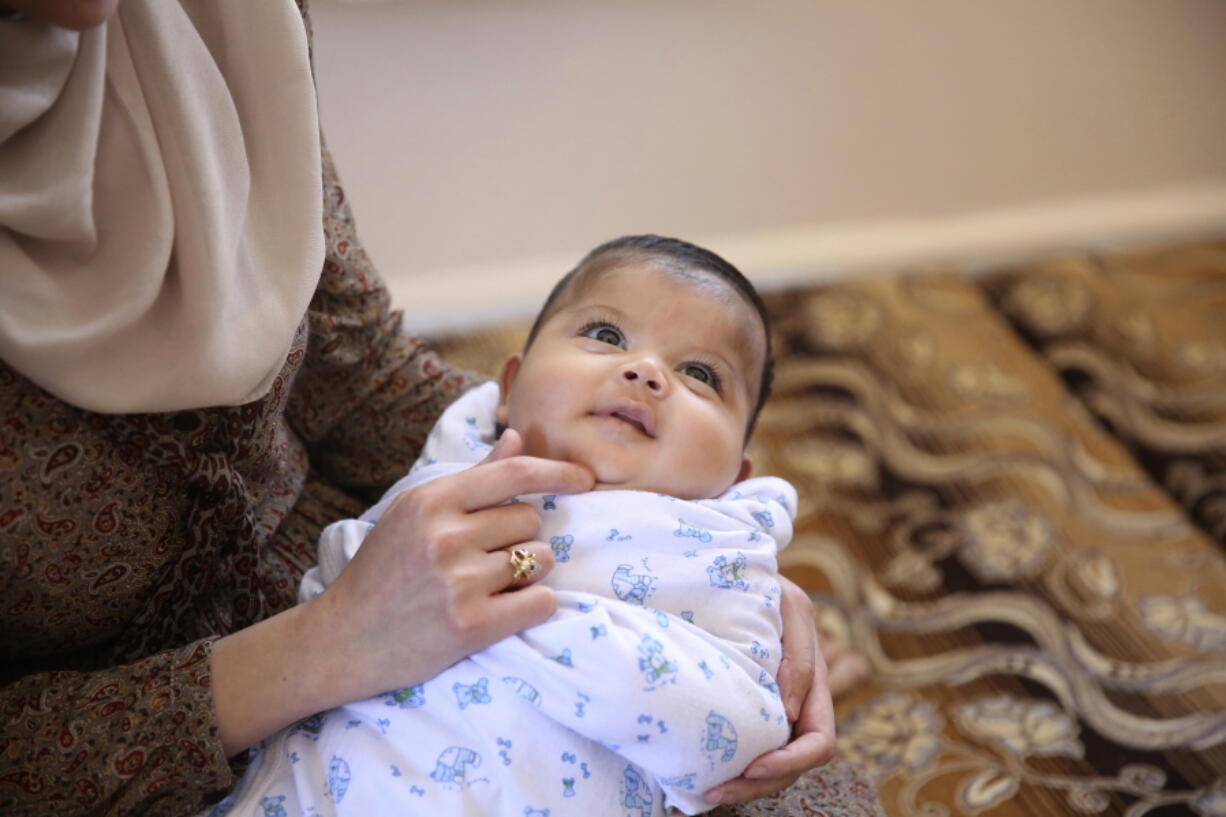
(496, 482)
(813, 744)
(518, 566)
(508, 445)
(798, 668)
(492, 529)
(440, 558)
(742, 790)
(504, 475)
(522, 609)
(775, 771)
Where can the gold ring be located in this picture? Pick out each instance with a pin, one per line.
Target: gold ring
(523, 563)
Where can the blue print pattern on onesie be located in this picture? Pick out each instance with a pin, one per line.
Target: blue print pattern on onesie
(338, 779)
(657, 668)
(503, 752)
(474, 436)
(407, 698)
(683, 781)
(636, 794)
(523, 689)
(633, 588)
(477, 693)
(764, 518)
(728, 575)
(453, 764)
(272, 806)
(685, 530)
(720, 736)
(561, 547)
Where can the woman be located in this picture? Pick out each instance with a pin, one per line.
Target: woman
(186, 399)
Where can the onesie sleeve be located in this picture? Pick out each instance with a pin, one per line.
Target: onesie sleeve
(666, 695)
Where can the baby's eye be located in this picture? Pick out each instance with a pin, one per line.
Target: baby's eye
(605, 333)
(702, 373)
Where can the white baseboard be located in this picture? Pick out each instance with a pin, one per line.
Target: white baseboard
(446, 300)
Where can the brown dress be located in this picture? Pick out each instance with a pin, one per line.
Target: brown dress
(129, 543)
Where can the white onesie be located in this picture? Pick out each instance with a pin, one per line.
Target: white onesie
(653, 682)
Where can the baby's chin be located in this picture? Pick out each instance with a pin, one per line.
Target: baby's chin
(636, 485)
(614, 476)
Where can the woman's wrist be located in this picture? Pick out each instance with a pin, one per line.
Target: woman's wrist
(264, 678)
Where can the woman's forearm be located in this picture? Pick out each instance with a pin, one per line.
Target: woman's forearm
(265, 678)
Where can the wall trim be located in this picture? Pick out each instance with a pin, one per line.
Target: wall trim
(454, 299)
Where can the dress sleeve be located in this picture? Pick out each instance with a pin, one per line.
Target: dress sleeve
(367, 393)
(135, 739)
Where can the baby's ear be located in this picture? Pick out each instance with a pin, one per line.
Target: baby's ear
(509, 370)
(746, 467)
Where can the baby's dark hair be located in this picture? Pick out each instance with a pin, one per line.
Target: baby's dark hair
(673, 255)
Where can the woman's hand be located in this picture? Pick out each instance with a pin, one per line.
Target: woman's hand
(806, 697)
(425, 589)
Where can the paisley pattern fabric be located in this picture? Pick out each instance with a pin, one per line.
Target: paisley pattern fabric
(1011, 500)
(128, 543)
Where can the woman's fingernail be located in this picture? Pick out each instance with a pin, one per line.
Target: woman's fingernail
(714, 798)
(756, 772)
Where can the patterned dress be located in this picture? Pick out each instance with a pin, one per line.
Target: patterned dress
(130, 543)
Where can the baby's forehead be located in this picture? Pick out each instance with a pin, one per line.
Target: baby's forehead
(584, 290)
(746, 333)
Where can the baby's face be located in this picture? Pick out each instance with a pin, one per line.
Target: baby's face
(646, 379)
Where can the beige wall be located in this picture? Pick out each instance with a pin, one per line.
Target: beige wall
(486, 144)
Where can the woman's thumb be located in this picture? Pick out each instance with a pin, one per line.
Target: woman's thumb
(508, 445)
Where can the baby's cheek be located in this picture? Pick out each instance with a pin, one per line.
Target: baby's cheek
(714, 459)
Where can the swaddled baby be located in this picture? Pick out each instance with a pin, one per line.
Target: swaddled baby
(655, 679)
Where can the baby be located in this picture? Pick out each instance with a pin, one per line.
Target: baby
(655, 679)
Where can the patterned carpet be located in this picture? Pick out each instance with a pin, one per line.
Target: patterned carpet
(1013, 502)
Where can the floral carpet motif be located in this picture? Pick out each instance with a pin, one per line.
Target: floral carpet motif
(1013, 502)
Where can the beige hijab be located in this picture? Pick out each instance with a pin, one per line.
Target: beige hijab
(160, 202)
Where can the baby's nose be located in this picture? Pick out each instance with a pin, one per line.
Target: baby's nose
(647, 374)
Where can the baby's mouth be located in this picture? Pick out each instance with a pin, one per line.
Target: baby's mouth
(625, 418)
(634, 415)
